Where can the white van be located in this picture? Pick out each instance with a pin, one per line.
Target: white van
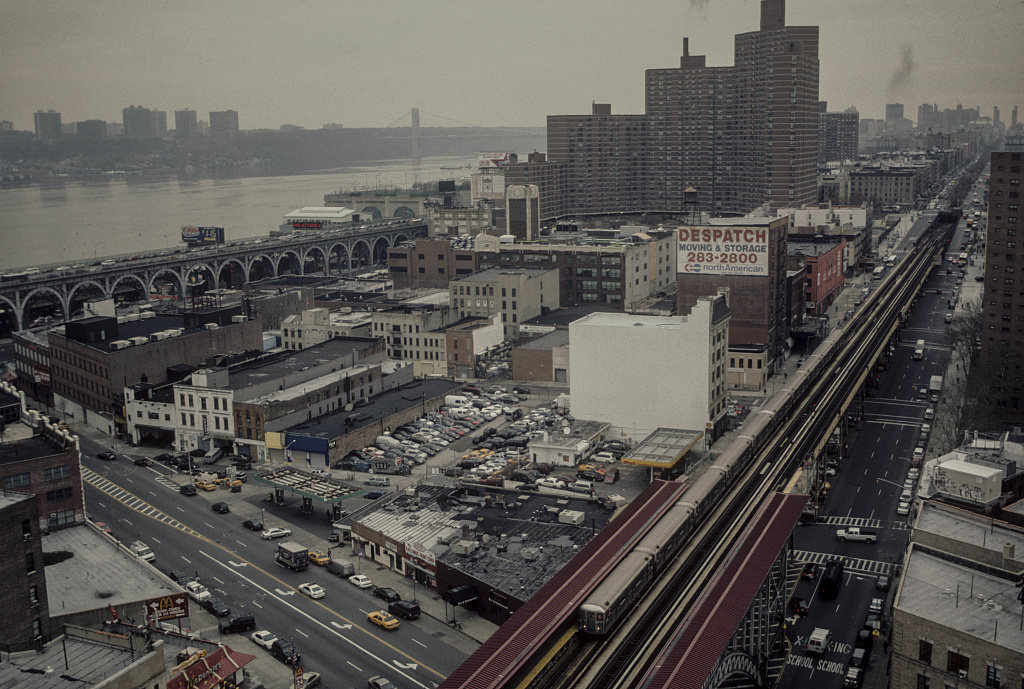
(379, 481)
(818, 642)
(582, 487)
(143, 551)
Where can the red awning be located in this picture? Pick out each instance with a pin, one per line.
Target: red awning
(209, 671)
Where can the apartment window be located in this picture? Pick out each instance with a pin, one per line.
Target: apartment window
(183, 420)
(202, 403)
(17, 481)
(993, 675)
(54, 473)
(956, 662)
(191, 403)
(182, 398)
(33, 595)
(30, 563)
(58, 495)
(924, 651)
(922, 682)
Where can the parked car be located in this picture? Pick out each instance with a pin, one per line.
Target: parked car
(361, 580)
(285, 651)
(386, 593)
(318, 557)
(220, 507)
(238, 623)
(187, 489)
(798, 605)
(378, 682)
(264, 638)
(253, 524)
(876, 605)
(275, 532)
(216, 607)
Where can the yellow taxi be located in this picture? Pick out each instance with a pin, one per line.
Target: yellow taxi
(318, 557)
(206, 485)
(383, 619)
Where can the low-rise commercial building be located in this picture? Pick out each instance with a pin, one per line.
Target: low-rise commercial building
(431, 262)
(826, 276)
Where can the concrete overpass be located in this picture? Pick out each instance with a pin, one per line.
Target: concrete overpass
(224, 265)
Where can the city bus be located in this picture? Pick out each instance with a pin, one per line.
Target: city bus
(877, 273)
(919, 350)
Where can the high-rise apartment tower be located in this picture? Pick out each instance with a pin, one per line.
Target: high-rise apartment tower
(741, 136)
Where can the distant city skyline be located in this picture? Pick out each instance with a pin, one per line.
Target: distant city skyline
(325, 62)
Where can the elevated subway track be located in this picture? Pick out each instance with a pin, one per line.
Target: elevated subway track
(783, 436)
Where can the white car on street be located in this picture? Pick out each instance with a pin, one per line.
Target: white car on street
(275, 532)
(361, 580)
(903, 508)
(264, 638)
(312, 590)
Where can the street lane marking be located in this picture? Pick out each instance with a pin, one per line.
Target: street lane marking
(324, 626)
(358, 669)
(302, 632)
(131, 500)
(417, 641)
(186, 559)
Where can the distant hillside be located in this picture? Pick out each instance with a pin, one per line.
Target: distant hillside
(269, 151)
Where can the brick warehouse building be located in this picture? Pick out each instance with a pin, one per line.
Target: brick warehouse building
(757, 292)
(94, 359)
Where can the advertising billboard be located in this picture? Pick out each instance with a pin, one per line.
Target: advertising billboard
(490, 159)
(170, 607)
(723, 250)
(307, 225)
(191, 234)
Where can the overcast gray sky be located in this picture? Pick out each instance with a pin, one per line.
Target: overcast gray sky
(366, 64)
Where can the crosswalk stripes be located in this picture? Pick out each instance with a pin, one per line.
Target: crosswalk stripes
(864, 523)
(856, 565)
(132, 501)
(167, 483)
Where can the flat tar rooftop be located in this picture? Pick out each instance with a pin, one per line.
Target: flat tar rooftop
(380, 407)
(20, 449)
(960, 597)
(98, 574)
(74, 662)
(324, 353)
(964, 527)
(436, 516)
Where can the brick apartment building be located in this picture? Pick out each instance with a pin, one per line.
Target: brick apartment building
(1002, 324)
(742, 136)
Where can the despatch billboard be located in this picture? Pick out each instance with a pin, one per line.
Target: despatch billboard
(723, 250)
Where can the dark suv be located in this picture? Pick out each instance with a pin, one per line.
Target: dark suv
(404, 609)
(285, 652)
(239, 623)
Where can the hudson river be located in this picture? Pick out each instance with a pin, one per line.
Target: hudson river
(89, 219)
